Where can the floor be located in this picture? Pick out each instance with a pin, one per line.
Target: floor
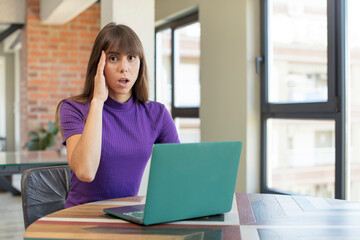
(11, 216)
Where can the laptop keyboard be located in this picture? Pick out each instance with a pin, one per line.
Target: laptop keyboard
(137, 214)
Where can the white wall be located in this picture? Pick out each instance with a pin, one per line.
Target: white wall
(2, 98)
(17, 100)
(230, 89)
(12, 11)
(59, 12)
(166, 10)
(8, 97)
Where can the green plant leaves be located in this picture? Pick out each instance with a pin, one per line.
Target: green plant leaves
(53, 129)
(33, 135)
(32, 145)
(42, 139)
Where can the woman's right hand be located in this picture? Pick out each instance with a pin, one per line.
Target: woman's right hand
(84, 150)
(101, 90)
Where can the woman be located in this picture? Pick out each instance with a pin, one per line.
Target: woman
(110, 128)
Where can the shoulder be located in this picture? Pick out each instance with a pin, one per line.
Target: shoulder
(70, 106)
(67, 103)
(154, 105)
(155, 108)
(154, 111)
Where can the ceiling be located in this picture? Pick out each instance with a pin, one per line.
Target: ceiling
(12, 17)
(53, 12)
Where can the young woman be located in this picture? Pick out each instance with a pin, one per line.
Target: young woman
(110, 128)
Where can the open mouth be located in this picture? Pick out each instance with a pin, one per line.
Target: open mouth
(123, 81)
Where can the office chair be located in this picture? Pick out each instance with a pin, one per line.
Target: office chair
(44, 191)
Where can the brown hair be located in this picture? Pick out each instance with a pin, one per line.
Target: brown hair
(122, 39)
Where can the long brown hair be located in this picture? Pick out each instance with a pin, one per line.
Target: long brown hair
(122, 39)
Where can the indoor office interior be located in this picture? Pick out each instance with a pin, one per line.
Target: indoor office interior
(279, 75)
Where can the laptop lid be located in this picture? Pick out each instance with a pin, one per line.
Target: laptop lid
(191, 180)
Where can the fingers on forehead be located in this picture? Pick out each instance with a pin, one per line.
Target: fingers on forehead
(101, 63)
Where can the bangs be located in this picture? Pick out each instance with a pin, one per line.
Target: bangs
(124, 42)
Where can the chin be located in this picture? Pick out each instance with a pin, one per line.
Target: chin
(123, 92)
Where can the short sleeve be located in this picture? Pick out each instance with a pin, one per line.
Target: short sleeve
(168, 132)
(72, 118)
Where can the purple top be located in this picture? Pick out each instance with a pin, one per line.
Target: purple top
(129, 131)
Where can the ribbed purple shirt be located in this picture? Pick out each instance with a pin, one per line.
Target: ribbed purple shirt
(129, 131)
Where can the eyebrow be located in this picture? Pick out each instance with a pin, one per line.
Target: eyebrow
(114, 53)
(118, 54)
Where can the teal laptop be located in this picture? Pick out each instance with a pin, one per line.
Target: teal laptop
(187, 180)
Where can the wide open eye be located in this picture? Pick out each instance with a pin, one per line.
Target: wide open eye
(113, 59)
(132, 58)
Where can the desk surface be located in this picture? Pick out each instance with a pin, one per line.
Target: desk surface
(254, 216)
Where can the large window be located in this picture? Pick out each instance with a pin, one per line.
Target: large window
(177, 83)
(303, 98)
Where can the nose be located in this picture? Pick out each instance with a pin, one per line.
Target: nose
(123, 64)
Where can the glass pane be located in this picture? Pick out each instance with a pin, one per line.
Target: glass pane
(188, 129)
(301, 156)
(297, 44)
(187, 65)
(2, 144)
(353, 99)
(163, 67)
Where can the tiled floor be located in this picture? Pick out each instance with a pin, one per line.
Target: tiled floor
(11, 216)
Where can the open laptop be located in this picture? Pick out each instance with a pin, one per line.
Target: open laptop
(187, 180)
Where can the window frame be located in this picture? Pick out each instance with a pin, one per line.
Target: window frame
(333, 109)
(177, 112)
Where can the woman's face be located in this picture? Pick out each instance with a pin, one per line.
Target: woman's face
(121, 72)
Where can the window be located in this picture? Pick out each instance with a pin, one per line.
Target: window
(304, 163)
(177, 83)
(303, 101)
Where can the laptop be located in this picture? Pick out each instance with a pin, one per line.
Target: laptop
(186, 180)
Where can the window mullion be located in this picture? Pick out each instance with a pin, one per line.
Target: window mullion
(172, 69)
(340, 56)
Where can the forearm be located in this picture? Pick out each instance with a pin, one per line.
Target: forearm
(85, 158)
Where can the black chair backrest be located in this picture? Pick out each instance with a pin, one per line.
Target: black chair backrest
(44, 191)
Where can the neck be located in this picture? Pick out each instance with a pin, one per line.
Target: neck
(123, 98)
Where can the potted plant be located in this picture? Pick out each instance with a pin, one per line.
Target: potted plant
(43, 138)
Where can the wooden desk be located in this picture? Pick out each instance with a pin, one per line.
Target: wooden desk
(254, 216)
(18, 162)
